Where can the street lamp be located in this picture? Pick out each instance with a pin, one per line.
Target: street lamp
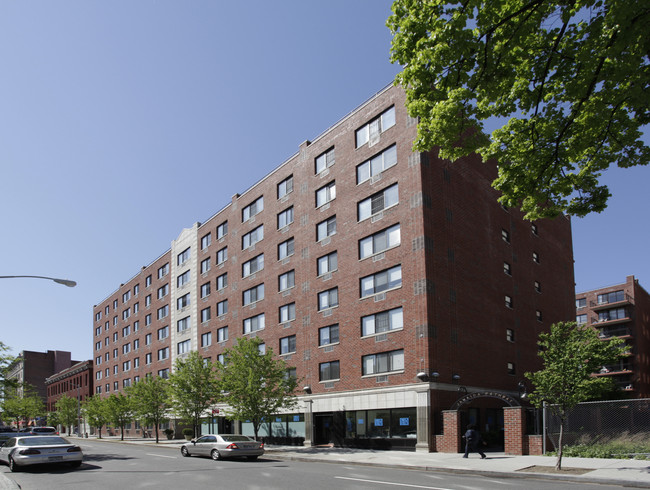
(65, 282)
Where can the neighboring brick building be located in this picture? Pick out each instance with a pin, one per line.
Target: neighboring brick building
(75, 382)
(388, 279)
(623, 311)
(32, 368)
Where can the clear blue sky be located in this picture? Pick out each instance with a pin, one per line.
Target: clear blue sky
(121, 123)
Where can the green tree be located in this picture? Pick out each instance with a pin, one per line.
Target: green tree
(151, 400)
(571, 354)
(53, 419)
(194, 388)
(571, 77)
(67, 409)
(22, 408)
(6, 360)
(120, 411)
(257, 385)
(95, 409)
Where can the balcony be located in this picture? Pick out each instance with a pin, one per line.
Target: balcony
(598, 322)
(614, 331)
(627, 300)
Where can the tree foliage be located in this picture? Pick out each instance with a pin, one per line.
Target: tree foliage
(194, 388)
(257, 385)
(6, 360)
(151, 400)
(120, 411)
(95, 410)
(571, 354)
(570, 76)
(67, 409)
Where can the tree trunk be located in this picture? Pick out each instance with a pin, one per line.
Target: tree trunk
(156, 426)
(558, 464)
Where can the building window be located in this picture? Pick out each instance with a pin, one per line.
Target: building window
(327, 263)
(183, 301)
(115, 304)
(136, 325)
(205, 265)
(221, 359)
(253, 324)
(505, 235)
(288, 344)
(183, 279)
(126, 296)
(147, 339)
(285, 249)
(384, 321)
(285, 187)
(252, 266)
(381, 281)
(538, 287)
(328, 335)
(326, 228)
(324, 160)
(163, 333)
(377, 164)
(285, 218)
(385, 362)
(538, 314)
(581, 319)
(222, 255)
(126, 366)
(581, 303)
(206, 339)
(370, 132)
(533, 228)
(147, 319)
(147, 281)
(222, 334)
(222, 307)
(329, 371)
(163, 353)
(613, 297)
(328, 299)
(379, 242)
(126, 331)
(252, 209)
(325, 194)
(222, 230)
(287, 313)
(147, 300)
(147, 358)
(510, 335)
(183, 257)
(253, 295)
(252, 237)
(163, 312)
(613, 314)
(378, 202)
(183, 324)
(183, 347)
(205, 290)
(163, 373)
(206, 314)
(508, 301)
(286, 281)
(222, 281)
(536, 257)
(506, 268)
(511, 368)
(206, 240)
(163, 271)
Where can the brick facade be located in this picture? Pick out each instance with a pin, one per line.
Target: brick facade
(470, 284)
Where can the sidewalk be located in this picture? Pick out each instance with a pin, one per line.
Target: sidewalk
(628, 472)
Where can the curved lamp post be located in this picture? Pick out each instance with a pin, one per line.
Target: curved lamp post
(65, 282)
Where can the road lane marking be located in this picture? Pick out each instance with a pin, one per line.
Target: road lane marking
(161, 456)
(391, 483)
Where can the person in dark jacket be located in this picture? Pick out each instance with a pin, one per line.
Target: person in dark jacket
(472, 441)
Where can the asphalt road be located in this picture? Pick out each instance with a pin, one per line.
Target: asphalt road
(114, 466)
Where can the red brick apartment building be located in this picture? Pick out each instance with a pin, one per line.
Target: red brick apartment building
(623, 311)
(389, 280)
(76, 382)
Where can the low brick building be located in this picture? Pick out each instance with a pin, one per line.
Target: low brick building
(390, 281)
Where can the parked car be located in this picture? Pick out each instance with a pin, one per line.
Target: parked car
(30, 450)
(45, 431)
(219, 446)
(6, 433)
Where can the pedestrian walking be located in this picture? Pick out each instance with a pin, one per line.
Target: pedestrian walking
(472, 441)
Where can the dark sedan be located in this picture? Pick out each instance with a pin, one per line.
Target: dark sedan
(218, 446)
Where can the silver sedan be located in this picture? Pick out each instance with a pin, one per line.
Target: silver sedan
(29, 450)
(219, 446)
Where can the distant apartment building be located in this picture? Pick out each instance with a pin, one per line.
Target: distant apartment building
(32, 368)
(389, 280)
(75, 382)
(622, 311)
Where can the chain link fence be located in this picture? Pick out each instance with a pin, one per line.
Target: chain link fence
(620, 423)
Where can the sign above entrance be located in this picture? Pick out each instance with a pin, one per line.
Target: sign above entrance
(463, 400)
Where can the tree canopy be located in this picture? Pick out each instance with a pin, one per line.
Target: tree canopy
(120, 411)
(570, 77)
(194, 388)
(151, 399)
(67, 410)
(571, 354)
(257, 386)
(96, 412)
